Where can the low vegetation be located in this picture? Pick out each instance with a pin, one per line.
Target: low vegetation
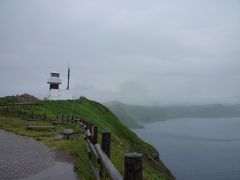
(123, 140)
(132, 115)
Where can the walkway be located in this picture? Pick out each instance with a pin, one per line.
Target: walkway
(25, 158)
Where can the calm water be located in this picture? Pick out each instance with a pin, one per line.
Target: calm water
(197, 149)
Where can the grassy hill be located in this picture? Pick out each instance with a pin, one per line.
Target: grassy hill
(134, 114)
(123, 140)
(18, 99)
(120, 111)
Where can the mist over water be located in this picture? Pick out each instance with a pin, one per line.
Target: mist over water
(196, 149)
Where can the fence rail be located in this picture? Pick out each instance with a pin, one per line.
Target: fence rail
(133, 168)
(17, 105)
(96, 150)
(99, 156)
(32, 116)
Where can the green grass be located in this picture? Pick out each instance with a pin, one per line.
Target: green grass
(77, 148)
(122, 140)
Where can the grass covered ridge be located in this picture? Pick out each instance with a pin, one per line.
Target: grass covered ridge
(123, 140)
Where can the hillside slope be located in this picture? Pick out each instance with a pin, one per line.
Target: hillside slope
(123, 140)
(135, 114)
(119, 110)
(18, 99)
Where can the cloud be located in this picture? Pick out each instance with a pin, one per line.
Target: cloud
(133, 51)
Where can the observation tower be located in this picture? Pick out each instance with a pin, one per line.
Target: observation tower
(55, 93)
(54, 80)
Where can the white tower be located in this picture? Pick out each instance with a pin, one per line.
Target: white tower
(55, 93)
(54, 80)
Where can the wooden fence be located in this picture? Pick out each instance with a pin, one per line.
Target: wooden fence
(32, 116)
(17, 105)
(99, 156)
(104, 168)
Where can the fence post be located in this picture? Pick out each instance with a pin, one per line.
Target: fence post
(86, 125)
(95, 134)
(62, 118)
(90, 128)
(75, 120)
(133, 167)
(32, 115)
(57, 117)
(106, 142)
(45, 116)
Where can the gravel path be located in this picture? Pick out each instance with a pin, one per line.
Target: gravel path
(22, 157)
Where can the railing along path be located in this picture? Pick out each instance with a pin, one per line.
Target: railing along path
(133, 168)
(99, 156)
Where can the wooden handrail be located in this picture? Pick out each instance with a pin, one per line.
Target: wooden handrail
(107, 163)
(133, 165)
(16, 104)
(92, 149)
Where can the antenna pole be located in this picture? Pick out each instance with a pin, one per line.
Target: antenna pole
(68, 78)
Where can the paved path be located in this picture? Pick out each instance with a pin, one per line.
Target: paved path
(22, 157)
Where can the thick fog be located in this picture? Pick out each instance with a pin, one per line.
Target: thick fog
(138, 52)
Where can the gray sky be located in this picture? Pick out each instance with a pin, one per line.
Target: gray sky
(139, 52)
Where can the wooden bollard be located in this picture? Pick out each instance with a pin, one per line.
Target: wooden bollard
(76, 119)
(133, 166)
(90, 127)
(86, 125)
(94, 134)
(106, 142)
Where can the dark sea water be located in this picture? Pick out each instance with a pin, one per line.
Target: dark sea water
(197, 149)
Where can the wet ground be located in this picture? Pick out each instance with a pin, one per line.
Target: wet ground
(26, 159)
(60, 171)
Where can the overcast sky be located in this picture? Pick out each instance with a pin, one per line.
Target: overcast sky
(138, 52)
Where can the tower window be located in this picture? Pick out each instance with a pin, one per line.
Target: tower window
(54, 74)
(54, 86)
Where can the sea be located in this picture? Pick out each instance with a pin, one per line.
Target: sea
(197, 149)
